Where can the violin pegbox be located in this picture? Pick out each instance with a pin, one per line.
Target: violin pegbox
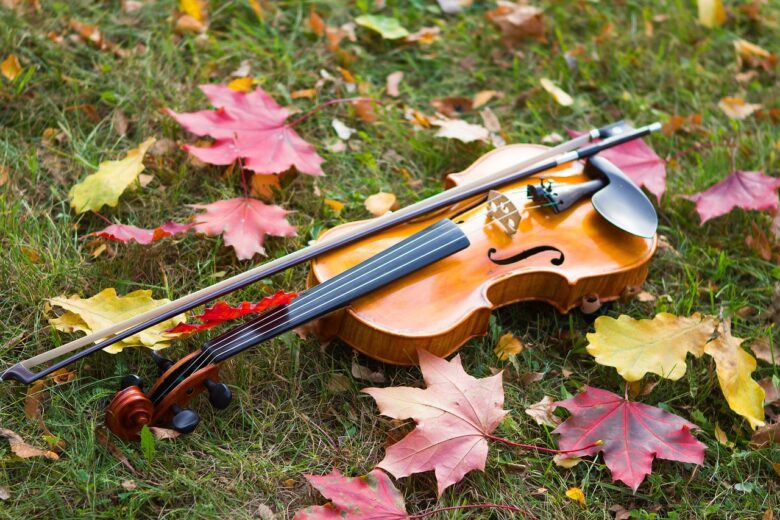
(502, 210)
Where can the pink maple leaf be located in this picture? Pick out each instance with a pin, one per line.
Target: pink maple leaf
(243, 222)
(455, 416)
(222, 311)
(746, 190)
(637, 160)
(633, 434)
(126, 232)
(251, 126)
(370, 497)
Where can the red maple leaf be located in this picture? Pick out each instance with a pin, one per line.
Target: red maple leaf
(126, 232)
(370, 497)
(639, 162)
(251, 126)
(633, 434)
(243, 223)
(223, 311)
(455, 416)
(746, 190)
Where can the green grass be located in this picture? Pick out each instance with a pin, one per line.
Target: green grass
(285, 422)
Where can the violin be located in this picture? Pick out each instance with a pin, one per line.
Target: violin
(524, 222)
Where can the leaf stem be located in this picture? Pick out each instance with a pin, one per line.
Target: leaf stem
(316, 109)
(540, 448)
(101, 216)
(473, 506)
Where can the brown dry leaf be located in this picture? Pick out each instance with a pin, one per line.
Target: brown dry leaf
(304, 93)
(484, 96)
(737, 108)
(765, 436)
(316, 23)
(33, 408)
(10, 67)
(425, 36)
(529, 377)
(365, 110)
(621, 513)
(119, 122)
(721, 437)
(163, 433)
(453, 106)
(752, 56)
(508, 345)
(493, 125)
(771, 392)
(90, 33)
(566, 461)
(776, 467)
(416, 117)
(338, 384)
(380, 203)
(5, 174)
(711, 13)
(162, 147)
(517, 21)
(103, 439)
(22, 449)
(768, 515)
(542, 412)
(765, 351)
(366, 374)
(557, 93)
(393, 81)
(758, 241)
(263, 185)
(460, 130)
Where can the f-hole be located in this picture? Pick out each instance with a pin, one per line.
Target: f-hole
(522, 255)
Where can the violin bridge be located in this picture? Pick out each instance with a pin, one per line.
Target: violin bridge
(503, 211)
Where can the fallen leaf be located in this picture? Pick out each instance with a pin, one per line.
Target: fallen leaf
(263, 186)
(453, 106)
(453, 6)
(711, 13)
(454, 416)
(529, 377)
(771, 392)
(393, 81)
(365, 111)
(751, 55)
(243, 224)
(343, 131)
(163, 433)
(758, 242)
(338, 384)
(542, 412)
(366, 374)
(637, 160)
(194, 8)
(335, 205)
(380, 203)
(766, 436)
(565, 461)
(222, 311)
(240, 85)
(737, 108)
(111, 180)
(776, 467)
(129, 485)
(126, 233)
(10, 67)
(484, 96)
(304, 93)
(106, 442)
(119, 122)
(370, 497)
(4, 493)
(387, 27)
(721, 437)
(577, 495)
(659, 346)
(460, 130)
(250, 126)
(741, 189)
(425, 36)
(621, 513)
(22, 449)
(5, 174)
(733, 366)
(633, 434)
(493, 126)
(106, 309)
(508, 345)
(517, 21)
(557, 93)
(553, 138)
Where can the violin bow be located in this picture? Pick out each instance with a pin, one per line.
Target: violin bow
(574, 149)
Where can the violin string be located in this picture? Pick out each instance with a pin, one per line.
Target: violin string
(229, 340)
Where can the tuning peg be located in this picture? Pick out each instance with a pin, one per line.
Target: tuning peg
(219, 394)
(184, 420)
(130, 380)
(162, 363)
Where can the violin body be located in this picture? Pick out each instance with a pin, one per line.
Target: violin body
(558, 258)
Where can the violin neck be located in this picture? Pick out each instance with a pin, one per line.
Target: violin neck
(413, 253)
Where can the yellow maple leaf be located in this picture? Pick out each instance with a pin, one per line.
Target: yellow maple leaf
(636, 347)
(106, 308)
(734, 366)
(112, 178)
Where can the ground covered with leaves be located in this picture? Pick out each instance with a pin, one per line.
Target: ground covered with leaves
(84, 83)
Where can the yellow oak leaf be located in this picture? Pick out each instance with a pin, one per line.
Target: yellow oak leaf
(111, 180)
(106, 308)
(734, 366)
(636, 347)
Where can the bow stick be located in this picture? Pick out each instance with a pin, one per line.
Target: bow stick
(613, 135)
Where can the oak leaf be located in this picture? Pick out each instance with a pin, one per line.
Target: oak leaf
(243, 224)
(107, 308)
(637, 160)
(111, 180)
(734, 366)
(455, 416)
(22, 449)
(222, 311)
(369, 497)
(125, 232)
(636, 347)
(741, 189)
(250, 126)
(633, 434)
